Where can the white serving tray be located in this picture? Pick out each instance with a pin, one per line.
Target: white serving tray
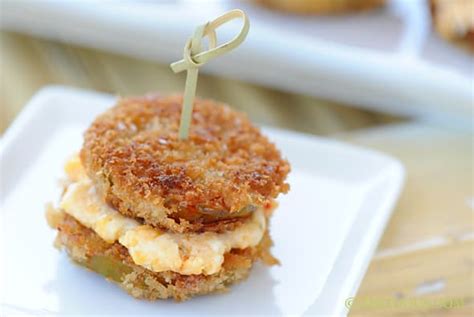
(388, 60)
(325, 230)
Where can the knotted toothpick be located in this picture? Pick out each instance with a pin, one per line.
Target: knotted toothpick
(193, 58)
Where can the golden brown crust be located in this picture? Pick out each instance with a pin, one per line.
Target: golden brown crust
(86, 247)
(454, 21)
(321, 6)
(225, 168)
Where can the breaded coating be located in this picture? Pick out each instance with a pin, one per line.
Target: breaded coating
(321, 6)
(85, 247)
(454, 21)
(219, 175)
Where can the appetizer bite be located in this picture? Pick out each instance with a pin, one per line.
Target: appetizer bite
(454, 21)
(321, 6)
(165, 217)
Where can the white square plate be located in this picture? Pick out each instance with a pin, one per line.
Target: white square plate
(325, 229)
(384, 59)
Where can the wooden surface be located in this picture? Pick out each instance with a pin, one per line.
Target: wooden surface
(427, 251)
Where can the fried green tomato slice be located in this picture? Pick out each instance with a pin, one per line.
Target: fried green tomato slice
(114, 263)
(210, 181)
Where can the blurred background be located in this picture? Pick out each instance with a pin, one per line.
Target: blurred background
(397, 76)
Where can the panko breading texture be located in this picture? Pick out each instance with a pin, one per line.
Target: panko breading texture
(113, 261)
(220, 174)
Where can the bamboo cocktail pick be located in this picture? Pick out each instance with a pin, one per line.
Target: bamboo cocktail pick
(193, 58)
